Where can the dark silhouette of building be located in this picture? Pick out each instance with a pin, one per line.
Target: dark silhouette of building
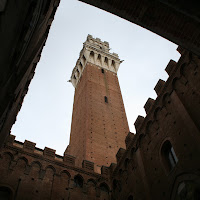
(24, 29)
(177, 21)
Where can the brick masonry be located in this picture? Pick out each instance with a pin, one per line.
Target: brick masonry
(98, 128)
(143, 169)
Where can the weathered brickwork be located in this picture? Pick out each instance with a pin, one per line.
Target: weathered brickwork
(33, 173)
(97, 126)
(99, 123)
(160, 161)
(144, 170)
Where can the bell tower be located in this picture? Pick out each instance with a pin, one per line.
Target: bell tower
(99, 124)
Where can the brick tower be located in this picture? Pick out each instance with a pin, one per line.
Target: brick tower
(99, 124)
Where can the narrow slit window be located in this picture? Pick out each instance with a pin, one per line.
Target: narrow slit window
(106, 99)
(102, 71)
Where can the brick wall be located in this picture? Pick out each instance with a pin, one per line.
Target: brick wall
(28, 172)
(143, 170)
(98, 128)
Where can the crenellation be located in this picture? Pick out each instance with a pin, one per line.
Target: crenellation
(120, 154)
(138, 122)
(164, 121)
(170, 67)
(181, 50)
(49, 152)
(112, 167)
(69, 159)
(150, 102)
(105, 170)
(88, 165)
(29, 145)
(95, 52)
(128, 139)
(10, 139)
(159, 86)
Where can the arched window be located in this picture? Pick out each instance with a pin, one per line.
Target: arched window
(80, 66)
(106, 61)
(91, 56)
(83, 59)
(188, 190)
(113, 64)
(104, 191)
(130, 197)
(104, 188)
(99, 60)
(77, 73)
(78, 181)
(5, 193)
(168, 155)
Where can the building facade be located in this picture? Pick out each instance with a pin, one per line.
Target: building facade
(160, 161)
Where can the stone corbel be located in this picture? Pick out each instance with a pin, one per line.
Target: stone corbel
(102, 60)
(74, 82)
(77, 75)
(79, 67)
(95, 57)
(117, 65)
(109, 63)
(86, 54)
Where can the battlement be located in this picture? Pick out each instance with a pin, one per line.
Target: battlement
(50, 154)
(152, 107)
(96, 42)
(95, 52)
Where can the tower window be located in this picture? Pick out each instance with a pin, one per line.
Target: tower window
(168, 155)
(78, 181)
(106, 99)
(102, 71)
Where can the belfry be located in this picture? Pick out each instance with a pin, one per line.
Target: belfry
(99, 124)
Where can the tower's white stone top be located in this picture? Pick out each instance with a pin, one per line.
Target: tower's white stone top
(96, 52)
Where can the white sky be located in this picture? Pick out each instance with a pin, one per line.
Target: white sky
(45, 117)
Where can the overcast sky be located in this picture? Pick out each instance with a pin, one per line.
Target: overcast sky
(45, 117)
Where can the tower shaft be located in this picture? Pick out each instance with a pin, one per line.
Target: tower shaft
(99, 124)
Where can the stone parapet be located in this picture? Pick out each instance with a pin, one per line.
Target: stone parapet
(50, 154)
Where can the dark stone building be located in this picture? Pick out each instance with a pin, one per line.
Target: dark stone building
(160, 161)
(24, 27)
(28, 172)
(177, 21)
